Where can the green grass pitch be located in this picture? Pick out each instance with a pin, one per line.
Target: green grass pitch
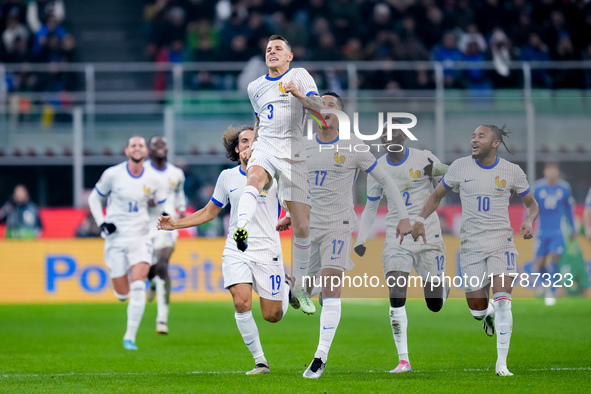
(78, 348)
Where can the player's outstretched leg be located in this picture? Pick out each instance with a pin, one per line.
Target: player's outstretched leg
(503, 323)
(135, 311)
(300, 214)
(398, 319)
(329, 322)
(487, 316)
(163, 302)
(246, 209)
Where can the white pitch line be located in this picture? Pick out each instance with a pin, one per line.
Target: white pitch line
(22, 375)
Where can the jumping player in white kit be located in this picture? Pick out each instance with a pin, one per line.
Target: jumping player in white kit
(127, 190)
(333, 165)
(279, 100)
(173, 179)
(413, 171)
(486, 183)
(260, 268)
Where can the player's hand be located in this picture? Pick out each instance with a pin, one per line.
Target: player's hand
(107, 229)
(284, 224)
(245, 154)
(166, 223)
(152, 203)
(526, 230)
(428, 170)
(291, 87)
(403, 229)
(418, 230)
(360, 249)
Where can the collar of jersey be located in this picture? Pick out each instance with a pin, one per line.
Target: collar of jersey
(158, 169)
(488, 167)
(324, 143)
(268, 78)
(240, 169)
(400, 162)
(131, 175)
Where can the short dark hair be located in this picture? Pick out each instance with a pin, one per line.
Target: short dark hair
(163, 138)
(231, 139)
(280, 37)
(339, 99)
(499, 134)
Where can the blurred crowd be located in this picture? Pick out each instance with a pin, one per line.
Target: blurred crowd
(322, 30)
(33, 32)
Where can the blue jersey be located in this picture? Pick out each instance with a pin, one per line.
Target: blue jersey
(556, 202)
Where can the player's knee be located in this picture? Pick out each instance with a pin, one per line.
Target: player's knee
(397, 302)
(272, 316)
(434, 304)
(241, 305)
(302, 229)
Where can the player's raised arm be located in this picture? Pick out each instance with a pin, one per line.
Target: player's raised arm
(304, 89)
(204, 215)
(532, 210)
(418, 228)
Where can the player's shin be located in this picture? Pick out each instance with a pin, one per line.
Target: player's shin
(503, 325)
(163, 299)
(135, 308)
(329, 321)
(247, 205)
(301, 260)
(250, 334)
(399, 324)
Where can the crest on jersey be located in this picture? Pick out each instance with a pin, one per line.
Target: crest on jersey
(415, 174)
(147, 190)
(339, 160)
(500, 184)
(263, 197)
(282, 90)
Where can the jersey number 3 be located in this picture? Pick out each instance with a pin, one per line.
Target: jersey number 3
(270, 108)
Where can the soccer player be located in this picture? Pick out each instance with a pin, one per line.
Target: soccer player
(555, 199)
(587, 215)
(173, 179)
(333, 165)
(413, 172)
(277, 99)
(127, 188)
(260, 267)
(485, 183)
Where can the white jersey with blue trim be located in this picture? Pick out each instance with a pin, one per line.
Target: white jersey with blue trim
(281, 115)
(127, 199)
(263, 239)
(332, 170)
(485, 192)
(415, 188)
(173, 179)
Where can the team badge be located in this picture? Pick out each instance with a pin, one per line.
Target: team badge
(339, 159)
(147, 190)
(282, 90)
(500, 184)
(415, 175)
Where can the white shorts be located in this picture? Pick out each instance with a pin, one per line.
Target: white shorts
(122, 254)
(479, 267)
(427, 260)
(163, 239)
(292, 176)
(267, 279)
(330, 249)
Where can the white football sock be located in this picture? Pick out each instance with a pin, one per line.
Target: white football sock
(250, 334)
(285, 300)
(247, 205)
(135, 308)
(329, 321)
(162, 299)
(301, 260)
(399, 323)
(480, 315)
(503, 325)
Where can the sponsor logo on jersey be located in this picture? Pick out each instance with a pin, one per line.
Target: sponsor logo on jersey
(339, 160)
(500, 184)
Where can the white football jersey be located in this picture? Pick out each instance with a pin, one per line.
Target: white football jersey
(173, 180)
(331, 173)
(415, 188)
(281, 115)
(485, 193)
(263, 239)
(127, 202)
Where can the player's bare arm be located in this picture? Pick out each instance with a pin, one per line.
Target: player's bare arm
(526, 229)
(418, 228)
(313, 101)
(204, 215)
(245, 155)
